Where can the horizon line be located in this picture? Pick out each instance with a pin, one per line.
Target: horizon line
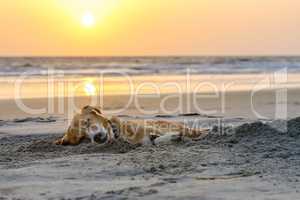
(149, 56)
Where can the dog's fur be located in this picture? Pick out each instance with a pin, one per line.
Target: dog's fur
(91, 124)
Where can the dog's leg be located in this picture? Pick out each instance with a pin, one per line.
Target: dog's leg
(59, 141)
(168, 138)
(67, 139)
(62, 141)
(147, 141)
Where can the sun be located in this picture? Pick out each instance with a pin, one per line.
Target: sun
(88, 19)
(90, 89)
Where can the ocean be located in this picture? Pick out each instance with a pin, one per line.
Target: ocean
(90, 66)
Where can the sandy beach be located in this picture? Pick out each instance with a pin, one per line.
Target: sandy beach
(250, 161)
(244, 156)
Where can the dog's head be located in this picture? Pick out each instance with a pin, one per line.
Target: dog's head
(89, 124)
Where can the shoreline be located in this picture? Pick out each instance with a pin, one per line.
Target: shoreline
(233, 104)
(63, 86)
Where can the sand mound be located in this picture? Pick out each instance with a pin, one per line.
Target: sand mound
(36, 147)
(293, 127)
(84, 148)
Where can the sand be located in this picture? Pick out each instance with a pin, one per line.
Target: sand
(248, 161)
(245, 156)
(236, 104)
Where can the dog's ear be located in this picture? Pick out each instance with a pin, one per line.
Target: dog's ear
(91, 109)
(98, 110)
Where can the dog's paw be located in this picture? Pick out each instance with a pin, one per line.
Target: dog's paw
(168, 138)
(176, 138)
(58, 142)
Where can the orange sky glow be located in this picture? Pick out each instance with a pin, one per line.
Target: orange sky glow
(144, 27)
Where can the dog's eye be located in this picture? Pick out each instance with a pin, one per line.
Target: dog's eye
(84, 123)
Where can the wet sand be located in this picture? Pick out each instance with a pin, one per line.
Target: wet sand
(222, 95)
(249, 161)
(233, 104)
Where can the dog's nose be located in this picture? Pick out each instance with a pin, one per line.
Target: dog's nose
(100, 138)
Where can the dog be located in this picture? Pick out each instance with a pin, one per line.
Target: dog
(92, 125)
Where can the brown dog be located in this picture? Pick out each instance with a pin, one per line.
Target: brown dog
(93, 125)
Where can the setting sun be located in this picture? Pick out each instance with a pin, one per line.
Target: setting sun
(90, 89)
(88, 19)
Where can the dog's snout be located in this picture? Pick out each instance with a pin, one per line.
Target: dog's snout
(100, 138)
(97, 133)
(94, 128)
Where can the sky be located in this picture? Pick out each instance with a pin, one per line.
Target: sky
(149, 27)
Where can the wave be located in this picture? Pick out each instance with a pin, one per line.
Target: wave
(146, 65)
